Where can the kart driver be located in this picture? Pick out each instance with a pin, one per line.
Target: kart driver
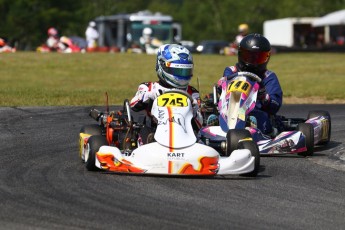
(149, 44)
(174, 67)
(253, 56)
(242, 32)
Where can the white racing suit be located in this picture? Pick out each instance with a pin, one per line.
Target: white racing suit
(91, 35)
(148, 91)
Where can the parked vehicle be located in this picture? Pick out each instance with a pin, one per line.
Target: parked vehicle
(123, 31)
(212, 47)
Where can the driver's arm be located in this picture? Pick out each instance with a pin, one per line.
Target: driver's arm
(274, 92)
(142, 97)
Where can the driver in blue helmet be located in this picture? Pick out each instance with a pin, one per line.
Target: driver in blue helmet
(174, 68)
(253, 56)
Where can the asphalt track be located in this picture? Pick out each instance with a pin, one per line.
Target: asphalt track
(44, 185)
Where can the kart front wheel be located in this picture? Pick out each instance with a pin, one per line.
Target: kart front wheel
(254, 150)
(326, 127)
(233, 136)
(92, 147)
(93, 129)
(308, 131)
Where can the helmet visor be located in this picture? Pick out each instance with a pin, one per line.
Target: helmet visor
(254, 57)
(179, 70)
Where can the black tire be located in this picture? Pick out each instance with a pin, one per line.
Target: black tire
(232, 138)
(308, 131)
(93, 129)
(92, 146)
(147, 135)
(254, 149)
(323, 113)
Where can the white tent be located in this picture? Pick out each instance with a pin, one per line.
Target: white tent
(331, 19)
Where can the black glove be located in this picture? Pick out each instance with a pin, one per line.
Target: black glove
(263, 95)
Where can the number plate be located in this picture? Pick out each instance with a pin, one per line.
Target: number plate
(172, 99)
(239, 86)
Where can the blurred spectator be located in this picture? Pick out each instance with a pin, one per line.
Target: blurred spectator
(4, 48)
(242, 32)
(149, 44)
(92, 35)
(67, 46)
(53, 39)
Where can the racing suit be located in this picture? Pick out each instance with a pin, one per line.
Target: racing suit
(269, 101)
(148, 91)
(91, 35)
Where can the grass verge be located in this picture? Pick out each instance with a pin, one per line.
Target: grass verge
(50, 79)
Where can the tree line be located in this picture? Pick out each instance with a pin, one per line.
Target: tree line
(25, 22)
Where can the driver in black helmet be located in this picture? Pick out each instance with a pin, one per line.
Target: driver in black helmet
(253, 56)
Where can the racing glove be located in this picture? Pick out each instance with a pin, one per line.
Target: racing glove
(151, 95)
(195, 107)
(148, 95)
(263, 96)
(196, 113)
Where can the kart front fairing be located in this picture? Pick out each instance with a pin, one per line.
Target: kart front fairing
(153, 158)
(175, 151)
(237, 100)
(285, 142)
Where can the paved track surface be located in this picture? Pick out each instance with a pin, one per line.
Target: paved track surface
(44, 185)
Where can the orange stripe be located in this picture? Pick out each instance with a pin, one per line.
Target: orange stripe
(171, 130)
(170, 167)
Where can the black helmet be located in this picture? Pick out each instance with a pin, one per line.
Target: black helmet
(254, 53)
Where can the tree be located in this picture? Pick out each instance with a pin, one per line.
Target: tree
(27, 21)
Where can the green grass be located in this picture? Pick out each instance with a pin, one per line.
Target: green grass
(36, 79)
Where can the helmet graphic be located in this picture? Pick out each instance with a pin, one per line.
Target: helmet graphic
(174, 65)
(254, 53)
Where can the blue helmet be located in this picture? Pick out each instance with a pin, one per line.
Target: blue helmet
(174, 65)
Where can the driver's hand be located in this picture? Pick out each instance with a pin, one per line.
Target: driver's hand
(148, 95)
(195, 106)
(263, 96)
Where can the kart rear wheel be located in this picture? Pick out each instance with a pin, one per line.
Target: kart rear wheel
(232, 138)
(308, 131)
(254, 150)
(93, 129)
(323, 113)
(92, 147)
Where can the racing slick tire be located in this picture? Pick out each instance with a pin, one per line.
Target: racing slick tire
(92, 129)
(254, 150)
(326, 126)
(92, 147)
(232, 138)
(308, 131)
